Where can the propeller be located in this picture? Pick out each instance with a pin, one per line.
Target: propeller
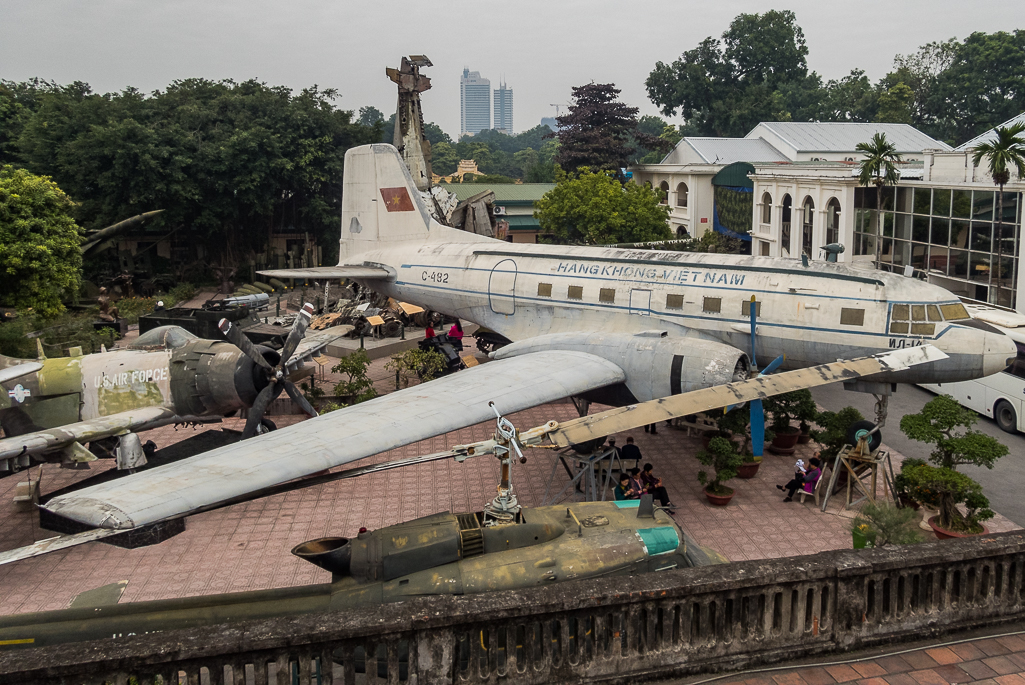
(276, 378)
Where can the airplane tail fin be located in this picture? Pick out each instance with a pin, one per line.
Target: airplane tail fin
(380, 204)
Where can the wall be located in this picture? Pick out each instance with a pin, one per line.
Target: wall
(637, 628)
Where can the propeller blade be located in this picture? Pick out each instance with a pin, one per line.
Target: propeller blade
(295, 336)
(774, 364)
(298, 398)
(633, 416)
(259, 408)
(237, 338)
(757, 428)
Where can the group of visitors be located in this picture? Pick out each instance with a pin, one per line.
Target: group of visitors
(455, 334)
(635, 483)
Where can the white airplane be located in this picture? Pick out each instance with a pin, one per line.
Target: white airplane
(668, 329)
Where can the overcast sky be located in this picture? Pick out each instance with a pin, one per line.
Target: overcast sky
(540, 48)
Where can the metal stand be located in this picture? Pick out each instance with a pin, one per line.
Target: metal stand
(592, 474)
(504, 508)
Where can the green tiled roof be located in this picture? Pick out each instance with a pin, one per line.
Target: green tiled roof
(504, 192)
(521, 222)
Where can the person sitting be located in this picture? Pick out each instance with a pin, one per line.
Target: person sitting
(626, 489)
(807, 481)
(654, 486)
(630, 451)
(429, 331)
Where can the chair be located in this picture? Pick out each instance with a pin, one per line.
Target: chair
(814, 491)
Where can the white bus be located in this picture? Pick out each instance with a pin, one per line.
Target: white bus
(1001, 396)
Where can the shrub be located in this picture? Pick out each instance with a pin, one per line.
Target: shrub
(425, 365)
(789, 406)
(946, 425)
(834, 429)
(722, 457)
(359, 387)
(884, 524)
(944, 489)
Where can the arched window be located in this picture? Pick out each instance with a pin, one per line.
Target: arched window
(807, 225)
(681, 195)
(766, 208)
(832, 221)
(681, 232)
(664, 187)
(784, 236)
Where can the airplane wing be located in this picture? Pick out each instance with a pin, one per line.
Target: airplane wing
(400, 418)
(12, 372)
(329, 272)
(314, 343)
(84, 431)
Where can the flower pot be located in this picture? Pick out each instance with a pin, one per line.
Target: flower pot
(944, 534)
(785, 443)
(803, 438)
(748, 469)
(718, 500)
(860, 539)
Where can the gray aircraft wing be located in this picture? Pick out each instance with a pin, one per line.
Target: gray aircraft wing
(19, 370)
(329, 272)
(337, 438)
(84, 431)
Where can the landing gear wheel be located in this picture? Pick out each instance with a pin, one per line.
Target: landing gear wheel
(266, 426)
(1005, 417)
(857, 430)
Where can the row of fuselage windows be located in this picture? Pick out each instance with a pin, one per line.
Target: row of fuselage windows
(849, 316)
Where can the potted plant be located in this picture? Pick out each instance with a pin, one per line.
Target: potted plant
(359, 387)
(804, 437)
(945, 489)
(881, 524)
(784, 409)
(733, 425)
(723, 459)
(947, 426)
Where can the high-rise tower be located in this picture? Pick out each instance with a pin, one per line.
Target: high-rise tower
(475, 102)
(504, 109)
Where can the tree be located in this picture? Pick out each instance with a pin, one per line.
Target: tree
(834, 429)
(983, 85)
(728, 86)
(597, 131)
(878, 167)
(724, 460)
(596, 209)
(1007, 150)
(369, 116)
(895, 105)
(920, 71)
(944, 489)
(40, 260)
(946, 425)
(444, 158)
(850, 98)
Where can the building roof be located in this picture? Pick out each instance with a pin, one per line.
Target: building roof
(843, 136)
(729, 150)
(990, 135)
(504, 192)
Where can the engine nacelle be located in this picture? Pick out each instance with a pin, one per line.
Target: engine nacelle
(211, 377)
(655, 364)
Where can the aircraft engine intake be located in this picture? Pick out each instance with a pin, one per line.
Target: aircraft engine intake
(655, 364)
(210, 377)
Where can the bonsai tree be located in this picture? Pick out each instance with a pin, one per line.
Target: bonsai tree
(834, 428)
(723, 459)
(945, 424)
(359, 387)
(883, 524)
(945, 488)
(734, 423)
(788, 406)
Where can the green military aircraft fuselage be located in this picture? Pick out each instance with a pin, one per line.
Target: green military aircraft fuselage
(441, 554)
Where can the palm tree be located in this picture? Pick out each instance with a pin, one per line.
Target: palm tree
(878, 167)
(1007, 149)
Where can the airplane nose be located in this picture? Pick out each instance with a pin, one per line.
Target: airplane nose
(999, 352)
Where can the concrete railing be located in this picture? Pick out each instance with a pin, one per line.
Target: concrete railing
(625, 628)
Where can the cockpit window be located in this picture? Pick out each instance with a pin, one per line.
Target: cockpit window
(934, 313)
(954, 312)
(900, 312)
(162, 337)
(918, 312)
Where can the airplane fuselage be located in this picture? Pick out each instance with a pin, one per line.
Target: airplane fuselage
(814, 314)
